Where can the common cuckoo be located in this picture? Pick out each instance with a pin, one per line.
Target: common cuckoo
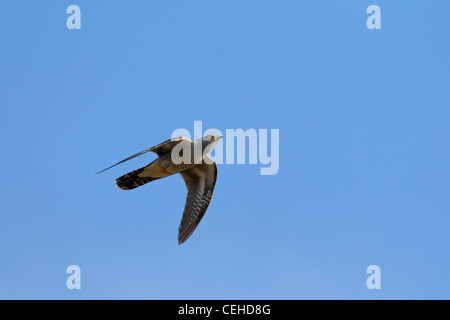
(191, 160)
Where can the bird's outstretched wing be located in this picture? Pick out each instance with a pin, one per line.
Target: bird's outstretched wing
(159, 149)
(167, 145)
(200, 181)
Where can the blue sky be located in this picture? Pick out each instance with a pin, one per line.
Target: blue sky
(364, 149)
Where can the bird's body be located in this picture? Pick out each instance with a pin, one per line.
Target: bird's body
(161, 167)
(190, 159)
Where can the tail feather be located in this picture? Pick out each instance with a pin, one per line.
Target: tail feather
(133, 180)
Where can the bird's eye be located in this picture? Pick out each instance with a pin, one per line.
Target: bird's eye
(213, 138)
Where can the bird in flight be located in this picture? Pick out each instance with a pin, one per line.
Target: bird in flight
(188, 158)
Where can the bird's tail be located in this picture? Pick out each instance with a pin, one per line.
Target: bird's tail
(133, 180)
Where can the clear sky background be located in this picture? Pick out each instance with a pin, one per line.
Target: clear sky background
(364, 148)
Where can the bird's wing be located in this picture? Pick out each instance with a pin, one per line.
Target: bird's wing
(159, 149)
(167, 145)
(200, 181)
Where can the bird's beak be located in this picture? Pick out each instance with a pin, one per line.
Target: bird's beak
(218, 138)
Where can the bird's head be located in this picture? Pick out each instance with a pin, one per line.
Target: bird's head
(209, 142)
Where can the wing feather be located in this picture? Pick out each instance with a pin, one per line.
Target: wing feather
(200, 181)
(159, 149)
